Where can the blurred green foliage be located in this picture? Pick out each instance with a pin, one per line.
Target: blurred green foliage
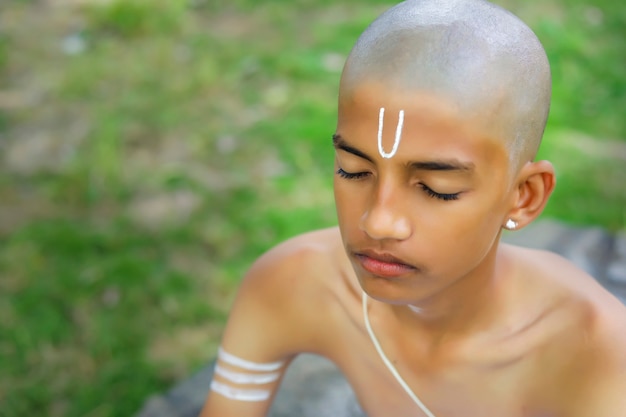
(129, 18)
(587, 54)
(77, 289)
(206, 138)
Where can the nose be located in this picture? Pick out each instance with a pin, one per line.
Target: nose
(386, 218)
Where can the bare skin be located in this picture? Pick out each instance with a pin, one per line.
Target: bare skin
(494, 330)
(475, 327)
(561, 354)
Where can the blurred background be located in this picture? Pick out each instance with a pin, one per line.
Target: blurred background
(151, 149)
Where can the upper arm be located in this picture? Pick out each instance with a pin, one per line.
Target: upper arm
(601, 387)
(603, 397)
(241, 390)
(267, 327)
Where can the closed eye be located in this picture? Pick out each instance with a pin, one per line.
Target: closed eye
(351, 175)
(441, 196)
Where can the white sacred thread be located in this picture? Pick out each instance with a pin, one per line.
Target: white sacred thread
(243, 378)
(240, 394)
(415, 309)
(396, 143)
(388, 363)
(248, 365)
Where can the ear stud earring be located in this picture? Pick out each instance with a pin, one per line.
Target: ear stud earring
(511, 224)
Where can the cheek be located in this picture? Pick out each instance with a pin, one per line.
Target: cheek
(477, 232)
(340, 200)
(465, 229)
(349, 203)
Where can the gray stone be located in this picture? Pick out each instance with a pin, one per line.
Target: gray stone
(184, 400)
(616, 271)
(314, 387)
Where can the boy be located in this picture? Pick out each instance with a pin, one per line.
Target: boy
(442, 105)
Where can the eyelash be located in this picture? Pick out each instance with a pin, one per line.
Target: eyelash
(350, 175)
(430, 192)
(440, 196)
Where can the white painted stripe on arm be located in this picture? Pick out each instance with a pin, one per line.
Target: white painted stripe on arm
(245, 364)
(244, 378)
(240, 394)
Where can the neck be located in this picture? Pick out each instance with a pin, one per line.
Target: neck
(471, 304)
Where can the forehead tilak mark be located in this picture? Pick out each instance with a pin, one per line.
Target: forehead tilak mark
(398, 137)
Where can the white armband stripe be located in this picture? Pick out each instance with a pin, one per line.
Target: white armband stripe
(248, 365)
(240, 394)
(243, 378)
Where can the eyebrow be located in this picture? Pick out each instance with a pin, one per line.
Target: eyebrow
(437, 165)
(340, 143)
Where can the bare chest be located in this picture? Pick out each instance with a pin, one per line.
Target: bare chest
(456, 391)
(450, 393)
(500, 381)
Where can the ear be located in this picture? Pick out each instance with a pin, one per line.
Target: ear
(535, 183)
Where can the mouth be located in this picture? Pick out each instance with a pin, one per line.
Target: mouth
(383, 264)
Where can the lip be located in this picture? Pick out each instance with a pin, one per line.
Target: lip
(383, 264)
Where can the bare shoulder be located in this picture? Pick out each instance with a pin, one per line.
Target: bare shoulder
(311, 246)
(583, 338)
(306, 262)
(281, 309)
(284, 296)
(597, 367)
(602, 358)
(559, 276)
(580, 303)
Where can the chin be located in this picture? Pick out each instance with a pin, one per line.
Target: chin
(390, 291)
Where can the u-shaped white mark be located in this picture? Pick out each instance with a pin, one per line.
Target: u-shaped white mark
(396, 142)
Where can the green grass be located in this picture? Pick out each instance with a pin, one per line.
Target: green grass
(186, 139)
(74, 290)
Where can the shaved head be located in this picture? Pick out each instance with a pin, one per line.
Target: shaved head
(476, 55)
